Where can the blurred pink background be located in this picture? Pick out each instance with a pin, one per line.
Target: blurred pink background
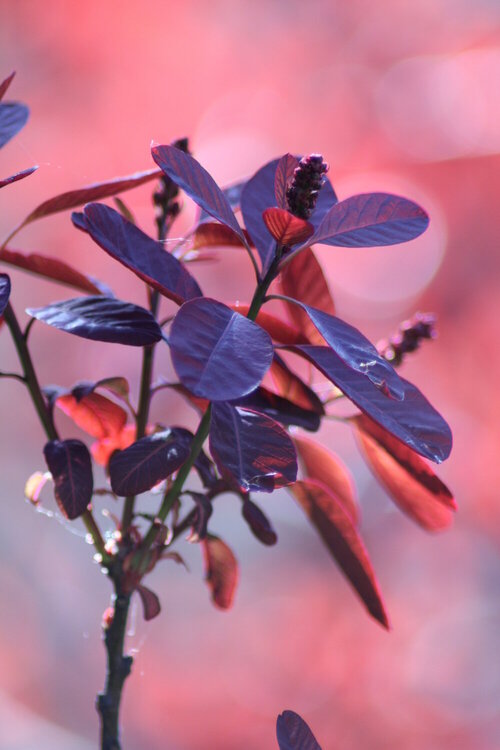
(398, 96)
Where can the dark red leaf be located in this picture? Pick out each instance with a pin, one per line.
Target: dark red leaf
(50, 268)
(69, 463)
(101, 319)
(17, 176)
(217, 353)
(286, 228)
(276, 328)
(146, 462)
(293, 733)
(259, 523)
(213, 234)
(13, 117)
(407, 477)
(4, 85)
(221, 571)
(323, 465)
(252, 451)
(293, 388)
(283, 176)
(146, 257)
(189, 175)
(96, 415)
(303, 280)
(4, 291)
(150, 603)
(328, 516)
(280, 409)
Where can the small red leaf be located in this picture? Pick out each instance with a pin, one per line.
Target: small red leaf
(283, 176)
(221, 571)
(4, 85)
(327, 514)
(290, 386)
(17, 176)
(276, 328)
(50, 268)
(286, 228)
(303, 280)
(94, 414)
(150, 602)
(213, 234)
(407, 477)
(324, 466)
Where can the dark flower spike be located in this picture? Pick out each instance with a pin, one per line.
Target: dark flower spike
(69, 463)
(408, 338)
(13, 118)
(101, 319)
(144, 256)
(4, 291)
(217, 353)
(252, 451)
(293, 733)
(18, 176)
(308, 179)
(259, 194)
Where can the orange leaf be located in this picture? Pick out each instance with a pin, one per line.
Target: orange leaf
(324, 466)
(286, 228)
(327, 515)
(221, 571)
(406, 476)
(103, 449)
(95, 414)
(276, 328)
(290, 386)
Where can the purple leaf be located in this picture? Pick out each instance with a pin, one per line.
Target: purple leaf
(17, 176)
(371, 219)
(95, 192)
(4, 85)
(69, 463)
(293, 733)
(258, 194)
(233, 195)
(258, 522)
(146, 462)
(101, 319)
(144, 256)
(189, 175)
(251, 451)
(283, 177)
(356, 351)
(217, 353)
(280, 409)
(13, 117)
(4, 291)
(412, 420)
(51, 268)
(150, 603)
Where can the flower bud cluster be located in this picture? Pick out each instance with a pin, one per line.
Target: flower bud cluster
(408, 338)
(308, 179)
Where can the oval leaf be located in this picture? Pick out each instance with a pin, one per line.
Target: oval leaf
(189, 175)
(69, 463)
(101, 319)
(407, 477)
(17, 176)
(150, 603)
(252, 451)
(50, 268)
(303, 279)
(212, 234)
(4, 291)
(324, 466)
(217, 353)
(146, 257)
(412, 420)
(370, 220)
(327, 515)
(280, 409)
(146, 462)
(259, 524)
(286, 228)
(293, 733)
(13, 117)
(283, 177)
(221, 571)
(95, 414)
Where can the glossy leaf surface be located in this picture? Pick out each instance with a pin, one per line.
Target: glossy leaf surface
(18, 176)
(5, 288)
(4, 85)
(13, 118)
(146, 462)
(69, 463)
(189, 175)
(336, 529)
(407, 477)
(282, 178)
(258, 523)
(303, 280)
(95, 414)
(144, 256)
(221, 571)
(293, 733)
(412, 420)
(252, 451)
(286, 228)
(50, 268)
(280, 409)
(321, 464)
(151, 606)
(217, 353)
(101, 319)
